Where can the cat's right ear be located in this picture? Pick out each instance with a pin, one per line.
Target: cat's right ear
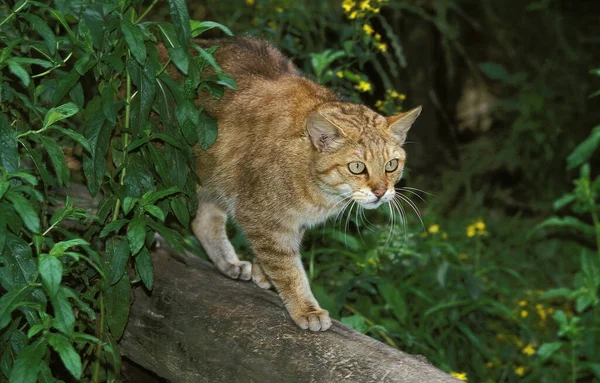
(325, 136)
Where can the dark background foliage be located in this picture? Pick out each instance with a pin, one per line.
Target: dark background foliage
(497, 283)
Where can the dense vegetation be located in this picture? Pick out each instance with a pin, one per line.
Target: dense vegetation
(498, 283)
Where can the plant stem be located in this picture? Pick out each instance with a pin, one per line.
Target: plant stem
(146, 11)
(100, 336)
(385, 336)
(13, 13)
(573, 363)
(125, 143)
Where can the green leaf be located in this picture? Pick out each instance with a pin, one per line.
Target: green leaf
(117, 256)
(65, 85)
(51, 270)
(181, 211)
(28, 363)
(57, 157)
(129, 203)
(116, 304)
(207, 130)
(562, 292)
(208, 58)
(4, 185)
(63, 312)
(180, 58)
(10, 301)
(135, 40)
(18, 71)
(181, 20)
(565, 223)
(199, 27)
(155, 211)
(108, 103)
(547, 349)
(136, 233)
(98, 134)
(20, 265)
(143, 263)
(153, 197)
(494, 71)
(25, 209)
(113, 226)
(585, 149)
(25, 177)
(223, 79)
(395, 299)
(60, 113)
(9, 153)
(138, 179)
(41, 27)
(188, 116)
(67, 353)
(59, 248)
(81, 140)
(144, 99)
(564, 201)
(356, 322)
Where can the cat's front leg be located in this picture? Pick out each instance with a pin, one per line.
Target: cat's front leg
(281, 262)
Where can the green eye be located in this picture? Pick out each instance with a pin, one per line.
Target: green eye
(356, 167)
(391, 165)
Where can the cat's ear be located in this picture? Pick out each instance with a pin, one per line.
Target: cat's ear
(400, 123)
(324, 135)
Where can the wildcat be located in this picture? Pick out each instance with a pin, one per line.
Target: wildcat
(289, 154)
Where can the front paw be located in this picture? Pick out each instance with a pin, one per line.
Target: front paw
(312, 319)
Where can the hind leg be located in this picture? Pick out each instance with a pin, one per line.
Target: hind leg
(209, 228)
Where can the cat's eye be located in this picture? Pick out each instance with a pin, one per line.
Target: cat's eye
(391, 165)
(356, 167)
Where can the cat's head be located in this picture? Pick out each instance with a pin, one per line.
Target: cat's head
(358, 153)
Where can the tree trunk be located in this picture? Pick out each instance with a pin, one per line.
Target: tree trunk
(200, 326)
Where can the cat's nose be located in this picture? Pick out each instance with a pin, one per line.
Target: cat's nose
(379, 192)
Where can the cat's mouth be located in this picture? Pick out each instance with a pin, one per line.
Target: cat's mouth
(371, 205)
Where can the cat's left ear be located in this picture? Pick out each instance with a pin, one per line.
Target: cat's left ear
(400, 123)
(325, 135)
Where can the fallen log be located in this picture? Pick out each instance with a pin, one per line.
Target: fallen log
(199, 326)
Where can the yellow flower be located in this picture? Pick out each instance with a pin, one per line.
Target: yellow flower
(524, 314)
(522, 303)
(434, 229)
(340, 74)
(377, 36)
(520, 370)
(363, 86)
(353, 15)
(460, 376)
(279, 10)
(250, 2)
(379, 104)
(470, 231)
(395, 94)
(364, 5)
(479, 225)
(348, 5)
(376, 10)
(529, 350)
(382, 47)
(402, 96)
(368, 29)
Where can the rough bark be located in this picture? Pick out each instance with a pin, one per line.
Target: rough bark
(199, 326)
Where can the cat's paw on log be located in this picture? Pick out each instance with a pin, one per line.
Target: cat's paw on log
(239, 270)
(311, 319)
